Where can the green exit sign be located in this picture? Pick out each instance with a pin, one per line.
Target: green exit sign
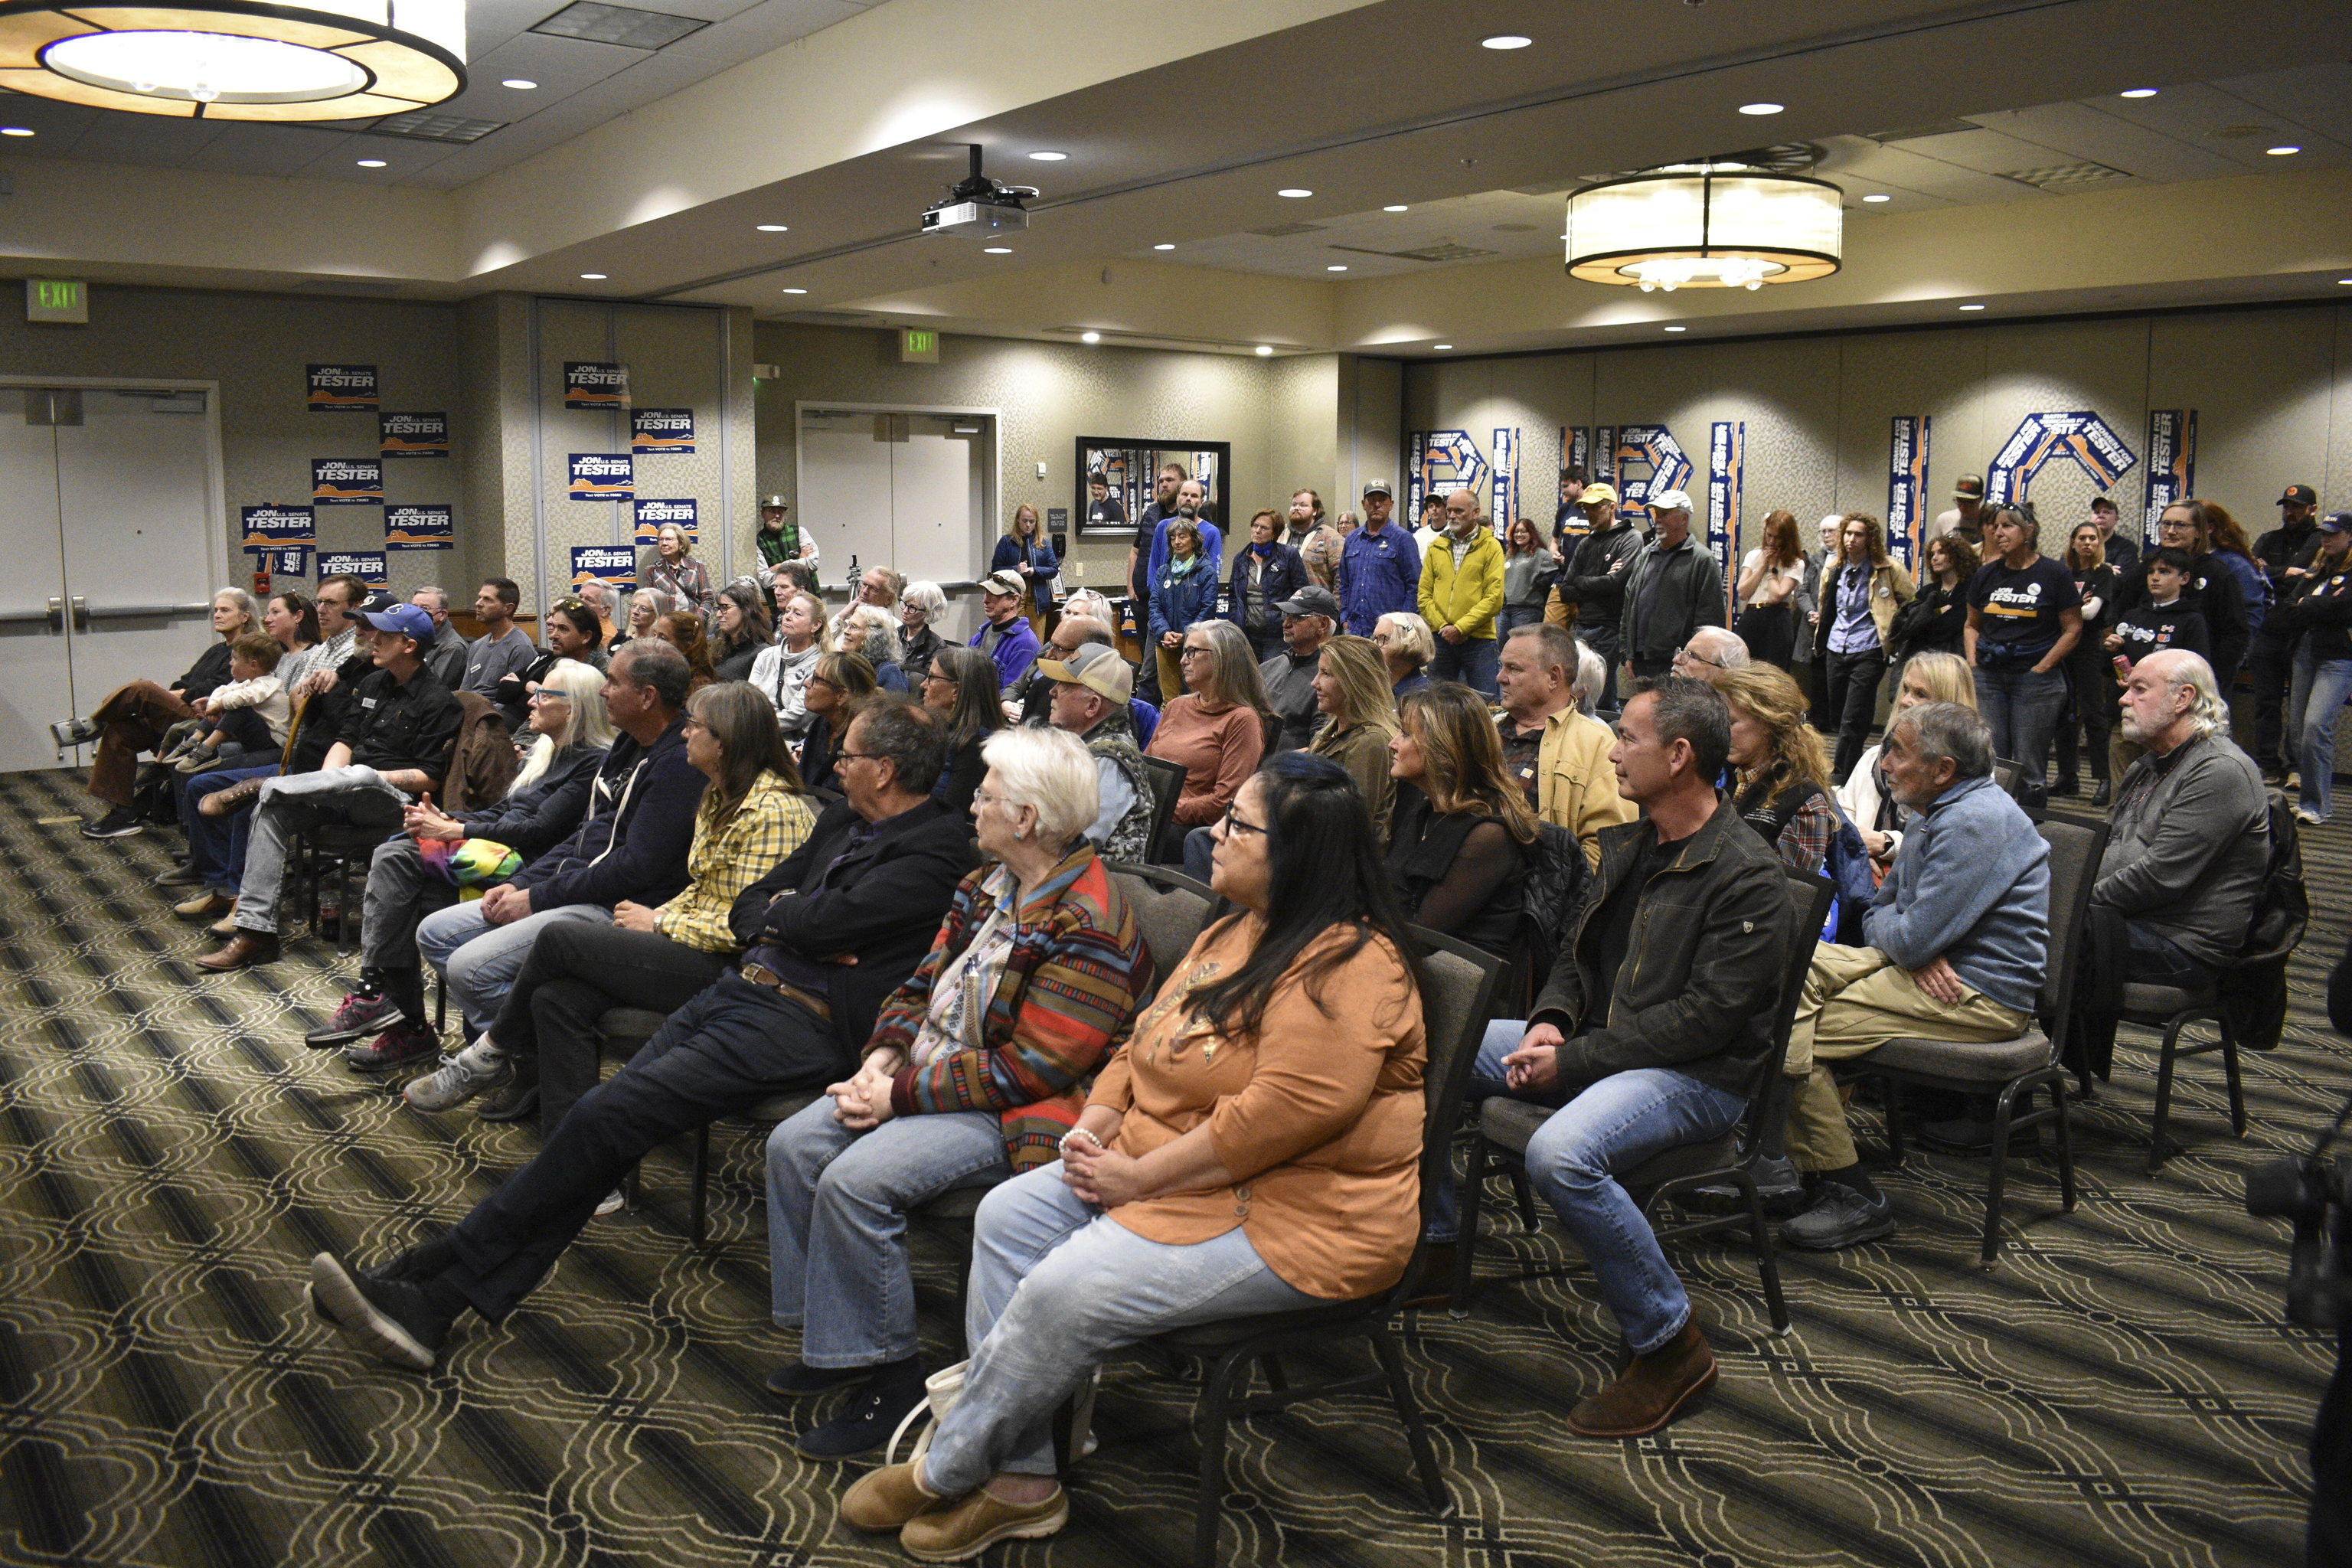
(56, 299)
(919, 345)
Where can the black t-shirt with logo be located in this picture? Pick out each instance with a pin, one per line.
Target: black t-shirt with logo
(2018, 610)
(2149, 629)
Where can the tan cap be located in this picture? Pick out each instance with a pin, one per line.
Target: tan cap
(1095, 668)
(1003, 583)
(773, 504)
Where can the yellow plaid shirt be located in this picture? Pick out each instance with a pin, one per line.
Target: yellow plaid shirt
(767, 828)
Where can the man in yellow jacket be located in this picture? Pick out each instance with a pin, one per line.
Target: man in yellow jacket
(1549, 748)
(1461, 592)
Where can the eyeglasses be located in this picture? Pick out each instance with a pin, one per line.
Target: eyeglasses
(848, 756)
(1190, 652)
(942, 680)
(690, 722)
(1235, 823)
(821, 680)
(545, 695)
(1685, 655)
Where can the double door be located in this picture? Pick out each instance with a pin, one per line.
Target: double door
(110, 526)
(905, 488)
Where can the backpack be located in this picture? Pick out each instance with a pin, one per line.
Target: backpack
(1848, 867)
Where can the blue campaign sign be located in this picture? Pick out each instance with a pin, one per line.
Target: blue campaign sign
(615, 563)
(2171, 460)
(1906, 485)
(1505, 493)
(370, 567)
(347, 482)
(414, 435)
(666, 430)
(602, 476)
(2079, 436)
(288, 561)
(271, 525)
(1449, 452)
(341, 388)
(596, 383)
(1669, 466)
(1727, 477)
(653, 516)
(419, 528)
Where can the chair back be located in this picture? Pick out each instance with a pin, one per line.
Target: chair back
(2075, 851)
(1457, 999)
(1167, 784)
(2006, 774)
(1172, 909)
(1811, 896)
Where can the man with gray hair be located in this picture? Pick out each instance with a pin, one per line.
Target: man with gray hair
(1958, 938)
(1673, 587)
(1710, 651)
(445, 656)
(2190, 837)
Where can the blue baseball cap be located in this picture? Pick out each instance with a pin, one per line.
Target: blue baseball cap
(406, 619)
(2336, 522)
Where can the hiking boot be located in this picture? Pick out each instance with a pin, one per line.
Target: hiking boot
(1651, 1391)
(481, 1066)
(396, 1046)
(358, 1016)
(873, 1414)
(119, 823)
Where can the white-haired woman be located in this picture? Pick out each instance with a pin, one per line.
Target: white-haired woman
(673, 569)
(975, 1072)
(646, 606)
(134, 717)
(921, 608)
(1093, 605)
(1592, 679)
(1406, 644)
(783, 669)
(871, 633)
(571, 732)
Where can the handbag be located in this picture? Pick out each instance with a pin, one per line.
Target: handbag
(944, 1387)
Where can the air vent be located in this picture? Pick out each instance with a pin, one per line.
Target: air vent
(2067, 177)
(623, 24)
(1919, 132)
(424, 125)
(1285, 230)
(1444, 251)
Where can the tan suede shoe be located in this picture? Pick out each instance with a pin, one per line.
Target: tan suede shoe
(978, 1522)
(1651, 1391)
(885, 1499)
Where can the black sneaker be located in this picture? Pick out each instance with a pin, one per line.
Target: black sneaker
(2103, 796)
(872, 1417)
(2066, 787)
(1840, 1217)
(517, 1100)
(401, 1044)
(391, 1319)
(357, 1017)
(120, 822)
(801, 1379)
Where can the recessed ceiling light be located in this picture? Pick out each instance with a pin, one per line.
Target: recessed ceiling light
(371, 163)
(2282, 152)
(1505, 41)
(1335, 267)
(1089, 337)
(1678, 329)
(996, 250)
(1295, 193)
(521, 84)
(1264, 349)
(2138, 92)
(1972, 307)
(772, 228)
(2345, 281)
(14, 131)
(1878, 198)
(1440, 345)
(595, 277)
(1163, 247)
(1761, 107)
(1044, 157)
(795, 290)
(1397, 208)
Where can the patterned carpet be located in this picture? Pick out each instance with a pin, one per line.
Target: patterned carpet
(2123, 1390)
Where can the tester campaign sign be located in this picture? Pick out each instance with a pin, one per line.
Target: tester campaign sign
(596, 383)
(419, 528)
(342, 388)
(346, 481)
(615, 563)
(368, 566)
(653, 516)
(268, 526)
(414, 435)
(670, 430)
(602, 476)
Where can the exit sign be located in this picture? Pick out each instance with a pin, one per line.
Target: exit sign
(56, 299)
(919, 345)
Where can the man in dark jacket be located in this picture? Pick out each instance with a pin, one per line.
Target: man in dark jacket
(1594, 582)
(1656, 1028)
(827, 936)
(1673, 587)
(2284, 554)
(630, 846)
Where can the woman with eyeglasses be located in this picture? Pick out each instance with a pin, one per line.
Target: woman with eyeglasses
(1464, 835)
(742, 628)
(1406, 644)
(961, 687)
(574, 632)
(842, 683)
(684, 632)
(1216, 731)
(2213, 588)
(1252, 1148)
(921, 608)
(570, 735)
(869, 631)
(754, 814)
(783, 669)
(645, 607)
(672, 569)
(1184, 593)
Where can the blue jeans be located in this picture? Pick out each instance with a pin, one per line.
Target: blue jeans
(357, 795)
(2314, 704)
(2021, 708)
(216, 844)
(1199, 854)
(1470, 661)
(1514, 617)
(2158, 960)
(837, 1203)
(479, 960)
(1613, 1125)
(1057, 1286)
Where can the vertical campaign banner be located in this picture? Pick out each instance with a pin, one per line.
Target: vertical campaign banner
(412, 435)
(346, 481)
(1416, 444)
(341, 388)
(653, 516)
(419, 528)
(1604, 455)
(1653, 448)
(1453, 453)
(1907, 488)
(661, 431)
(1576, 449)
(2078, 437)
(370, 567)
(613, 563)
(270, 527)
(2171, 461)
(1506, 451)
(602, 476)
(596, 383)
(1727, 477)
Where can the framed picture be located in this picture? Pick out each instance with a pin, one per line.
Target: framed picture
(1130, 469)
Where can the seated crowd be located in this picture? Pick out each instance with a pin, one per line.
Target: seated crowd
(845, 856)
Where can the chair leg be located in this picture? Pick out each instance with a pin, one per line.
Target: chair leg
(2003, 1107)
(1890, 1109)
(1466, 1203)
(699, 1204)
(1210, 1506)
(440, 1002)
(1416, 1431)
(2229, 1075)
(1530, 1218)
(1274, 1380)
(2058, 1098)
(2157, 1151)
(1768, 1261)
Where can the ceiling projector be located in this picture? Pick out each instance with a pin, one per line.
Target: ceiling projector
(977, 205)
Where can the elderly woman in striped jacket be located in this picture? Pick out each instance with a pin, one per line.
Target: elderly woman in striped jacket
(976, 1068)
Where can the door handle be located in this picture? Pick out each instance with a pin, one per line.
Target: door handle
(81, 614)
(57, 615)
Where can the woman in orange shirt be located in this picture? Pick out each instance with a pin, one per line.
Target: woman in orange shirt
(1251, 1150)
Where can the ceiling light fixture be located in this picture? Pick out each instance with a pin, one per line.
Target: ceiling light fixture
(795, 290)
(996, 250)
(1678, 329)
(521, 84)
(1875, 198)
(1335, 267)
(14, 131)
(2283, 152)
(1296, 192)
(290, 60)
(1397, 208)
(595, 277)
(371, 163)
(1163, 246)
(1972, 307)
(772, 228)
(1089, 337)
(1704, 226)
(1440, 345)
(1042, 157)
(1505, 41)
(1761, 109)
(1264, 349)
(2138, 92)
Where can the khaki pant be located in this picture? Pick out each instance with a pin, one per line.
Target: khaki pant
(1856, 999)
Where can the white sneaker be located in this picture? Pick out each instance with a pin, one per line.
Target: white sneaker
(614, 1202)
(2308, 818)
(479, 1067)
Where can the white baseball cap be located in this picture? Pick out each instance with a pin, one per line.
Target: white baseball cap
(1668, 500)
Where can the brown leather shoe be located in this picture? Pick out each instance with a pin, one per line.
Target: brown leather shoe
(237, 797)
(1651, 1391)
(204, 906)
(978, 1522)
(886, 1499)
(245, 949)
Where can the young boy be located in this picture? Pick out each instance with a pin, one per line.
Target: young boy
(249, 714)
(2161, 621)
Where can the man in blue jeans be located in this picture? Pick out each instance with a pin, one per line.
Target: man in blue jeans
(1654, 1029)
(2316, 621)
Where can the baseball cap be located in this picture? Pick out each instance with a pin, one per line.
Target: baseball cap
(773, 504)
(1969, 487)
(1003, 583)
(1312, 600)
(377, 600)
(406, 619)
(1596, 492)
(2336, 522)
(1094, 667)
(1378, 488)
(2301, 495)
(1669, 500)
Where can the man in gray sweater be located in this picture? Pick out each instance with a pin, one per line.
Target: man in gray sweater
(1673, 587)
(2189, 841)
(1959, 939)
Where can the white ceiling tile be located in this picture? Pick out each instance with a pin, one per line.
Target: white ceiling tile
(280, 149)
(2315, 98)
(2078, 131)
(769, 25)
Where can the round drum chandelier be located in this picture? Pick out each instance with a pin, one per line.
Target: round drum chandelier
(239, 59)
(1715, 225)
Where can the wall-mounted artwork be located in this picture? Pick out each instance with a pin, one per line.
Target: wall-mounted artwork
(1129, 468)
